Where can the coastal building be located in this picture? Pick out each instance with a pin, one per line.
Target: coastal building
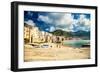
(32, 34)
(35, 37)
(43, 36)
(27, 34)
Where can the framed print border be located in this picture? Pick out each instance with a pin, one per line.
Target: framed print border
(15, 30)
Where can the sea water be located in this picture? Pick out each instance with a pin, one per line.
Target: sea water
(76, 43)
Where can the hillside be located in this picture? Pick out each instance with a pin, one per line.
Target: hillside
(80, 34)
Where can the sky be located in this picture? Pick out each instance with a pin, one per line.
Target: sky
(51, 21)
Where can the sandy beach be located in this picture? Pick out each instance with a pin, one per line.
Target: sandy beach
(57, 53)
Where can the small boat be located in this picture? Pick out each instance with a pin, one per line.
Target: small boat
(45, 46)
(86, 45)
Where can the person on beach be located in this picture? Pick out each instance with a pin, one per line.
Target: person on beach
(58, 42)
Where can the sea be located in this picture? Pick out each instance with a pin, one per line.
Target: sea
(76, 43)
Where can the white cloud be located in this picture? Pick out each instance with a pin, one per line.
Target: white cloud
(60, 18)
(82, 16)
(56, 15)
(82, 23)
(84, 20)
(45, 19)
(65, 21)
(52, 29)
(87, 22)
(47, 29)
(30, 22)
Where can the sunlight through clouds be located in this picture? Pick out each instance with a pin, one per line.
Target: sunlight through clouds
(51, 21)
(66, 21)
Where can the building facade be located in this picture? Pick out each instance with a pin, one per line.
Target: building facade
(27, 34)
(32, 34)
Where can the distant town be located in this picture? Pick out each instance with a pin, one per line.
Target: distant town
(33, 35)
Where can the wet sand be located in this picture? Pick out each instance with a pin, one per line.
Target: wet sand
(55, 53)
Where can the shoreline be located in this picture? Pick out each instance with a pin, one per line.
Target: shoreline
(54, 53)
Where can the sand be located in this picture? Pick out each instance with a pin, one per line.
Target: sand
(55, 53)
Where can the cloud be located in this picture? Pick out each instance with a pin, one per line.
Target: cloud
(61, 18)
(66, 21)
(30, 22)
(82, 16)
(52, 29)
(45, 19)
(30, 13)
(56, 15)
(47, 29)
(83, 20)
(83, 23)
